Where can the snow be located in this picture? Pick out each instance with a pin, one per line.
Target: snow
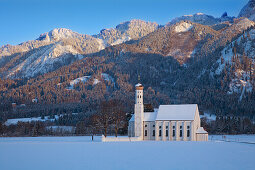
(208, 116)
(80, 79)
(121, 40)
(183, 27)
(46, 118)
(96, 81)
(102, 44)
(177, 112)
(15, 121)
(84, 79)
(138, 85)
(198, 18)
(79, 153)
(61, 128)
(201, 130)
(43, 60)
(234, 138)
(241, 82)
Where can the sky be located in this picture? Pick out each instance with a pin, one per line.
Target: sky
(23, 20)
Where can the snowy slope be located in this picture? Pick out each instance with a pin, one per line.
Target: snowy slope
(84, 79)
(15, 121)
(79, 153)
(45, 59)
(241, 82)
(183, 27)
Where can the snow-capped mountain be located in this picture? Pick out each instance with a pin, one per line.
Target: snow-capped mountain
(183, 38)
(248, 10)
(203, 19)
(130, 30)
(63, 46)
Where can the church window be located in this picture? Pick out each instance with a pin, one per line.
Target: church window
(145, 133)
(180, 131)
(159, 132)
(188, 131)
(173, 131)
(153, 133)
(166, 133)
(145, 125)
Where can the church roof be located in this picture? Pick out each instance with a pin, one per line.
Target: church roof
(148, 116)
(201, 130)
(177, 112)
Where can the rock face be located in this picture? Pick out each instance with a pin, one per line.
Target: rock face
(62, 46)
(201, 18)
(248, 10)
(125, 31)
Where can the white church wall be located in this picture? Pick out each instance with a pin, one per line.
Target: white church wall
(202, 137)
(131, 129)
(196, 125)
(139, 111)
(148, 128)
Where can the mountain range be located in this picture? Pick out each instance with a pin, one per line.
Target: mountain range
(191, 59)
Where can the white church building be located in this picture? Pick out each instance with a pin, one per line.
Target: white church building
(167, 123)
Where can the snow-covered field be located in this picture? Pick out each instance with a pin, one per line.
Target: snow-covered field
(73, 153)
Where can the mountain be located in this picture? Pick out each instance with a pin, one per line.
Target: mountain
(130, 30)
(61, 47)
(248, 10)
(178, 40)
(203, 19)
(193, 59)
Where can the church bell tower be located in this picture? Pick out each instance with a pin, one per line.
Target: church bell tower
(139, 110)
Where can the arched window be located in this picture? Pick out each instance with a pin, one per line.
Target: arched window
(173, 131)
(180, 131)
(188, 131)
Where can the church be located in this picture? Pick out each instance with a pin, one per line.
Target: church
(167, 123)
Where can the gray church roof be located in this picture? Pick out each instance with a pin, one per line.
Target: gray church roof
(201, 130)
(148, 116)
(177, 112)
(170, 112)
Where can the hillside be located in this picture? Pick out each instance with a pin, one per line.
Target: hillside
(61, 47)
(185, 61)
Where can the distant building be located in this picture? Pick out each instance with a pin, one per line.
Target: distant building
(168, 122)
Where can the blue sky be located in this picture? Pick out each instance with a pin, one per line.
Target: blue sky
(23, 20)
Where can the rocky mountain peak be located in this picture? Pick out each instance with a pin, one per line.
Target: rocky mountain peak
(58, 34)
(248, 10)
